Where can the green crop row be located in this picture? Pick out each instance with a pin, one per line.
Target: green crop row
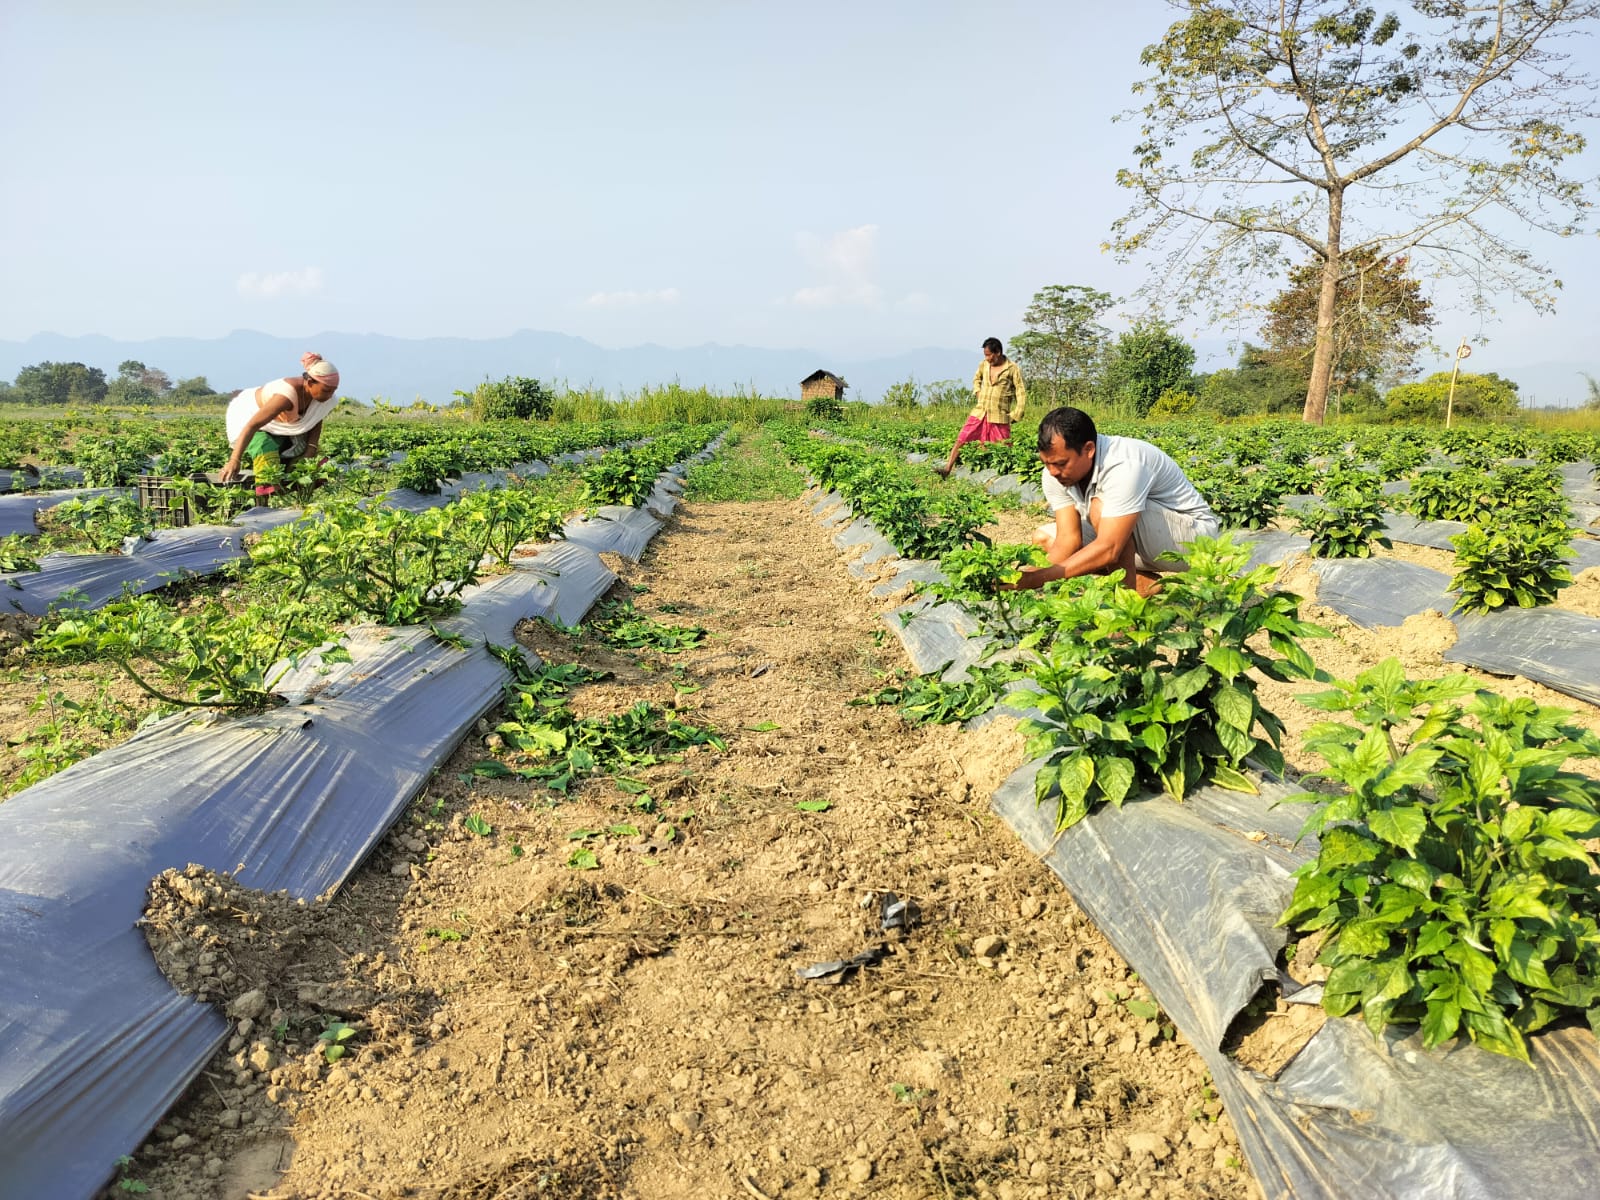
(920, 518)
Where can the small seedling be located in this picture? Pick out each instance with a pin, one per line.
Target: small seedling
(125, 1184)
(477, 825)
(815, 806)
(333, 1039)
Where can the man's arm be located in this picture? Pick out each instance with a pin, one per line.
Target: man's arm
(1074, 557)
(1021, 400)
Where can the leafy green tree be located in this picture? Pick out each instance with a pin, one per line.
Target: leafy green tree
(1482, 397)
(1258, 384)
(194, 390)
(1061, 347)
(1145, 362)
(60, 383)
(955, 392)
(904, 395)
(1319, 125)
(137, 384)
(1380, 320)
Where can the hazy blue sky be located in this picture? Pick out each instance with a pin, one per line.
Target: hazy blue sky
(855, 178)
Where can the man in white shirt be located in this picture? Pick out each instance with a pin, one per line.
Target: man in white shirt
(1119, 504)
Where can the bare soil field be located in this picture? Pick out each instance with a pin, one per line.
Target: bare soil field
(592, 999)
(526, 1020)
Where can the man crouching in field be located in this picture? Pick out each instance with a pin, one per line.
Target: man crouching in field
(1119, 504)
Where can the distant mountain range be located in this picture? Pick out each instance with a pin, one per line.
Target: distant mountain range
(399, 370)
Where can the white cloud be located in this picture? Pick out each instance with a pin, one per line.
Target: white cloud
(631, 299)
(269, 285)
(914, 302)
(847, 261)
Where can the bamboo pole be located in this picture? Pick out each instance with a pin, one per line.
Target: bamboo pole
(1462, 351)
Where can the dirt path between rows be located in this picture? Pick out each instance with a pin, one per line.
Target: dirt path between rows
(522, 1027)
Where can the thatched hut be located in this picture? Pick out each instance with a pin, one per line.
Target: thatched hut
(823, 385)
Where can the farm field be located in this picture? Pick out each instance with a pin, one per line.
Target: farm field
(571, 966)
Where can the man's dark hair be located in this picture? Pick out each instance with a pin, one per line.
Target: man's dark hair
(1073, 426)
(994, 345)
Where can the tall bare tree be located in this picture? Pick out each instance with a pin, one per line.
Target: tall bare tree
(1321, 126)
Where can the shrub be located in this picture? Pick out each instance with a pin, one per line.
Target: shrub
(514, 398)
(824, 408)
(904, 395)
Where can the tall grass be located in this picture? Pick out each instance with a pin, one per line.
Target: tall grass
(668, 402)
(1568, 420)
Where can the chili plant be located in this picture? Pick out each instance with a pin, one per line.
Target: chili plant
(1522, 564)
(393, 566)
(1242, 499)
(1345, 524)
(1447, 495)
(501, 519)
(618, 477)
(972, 579)
(1452, 876)
(217, 658)
(104, 522)
(17, 554)
(1155, 691)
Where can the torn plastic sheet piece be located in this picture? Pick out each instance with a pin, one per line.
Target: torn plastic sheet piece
(839, 970)
(1154, 865)
(17, 480)
(832, 509)
(897, 914)
(907, 571)
(1578, 482)
(1402, 527)
(411, 501)
(877, 548)
(615, 529)
(1027, 490)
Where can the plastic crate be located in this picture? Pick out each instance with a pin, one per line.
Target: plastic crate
(157, 495)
